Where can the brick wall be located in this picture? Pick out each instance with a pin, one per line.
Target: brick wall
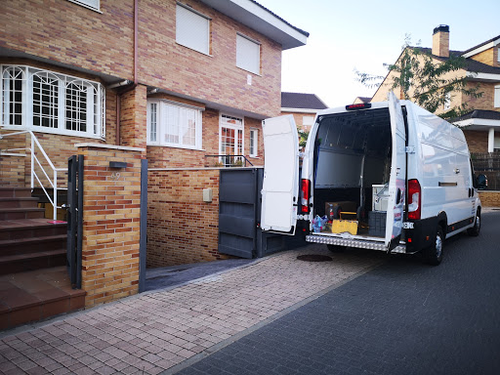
(181, 227)
(213, 77)
(490, 198)
(111, 223)
(133, 126)
(487, 57)
(477, 140)
(47, 28)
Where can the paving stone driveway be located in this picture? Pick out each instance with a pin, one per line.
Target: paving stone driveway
(154, 331)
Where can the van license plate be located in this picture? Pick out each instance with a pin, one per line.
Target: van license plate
(408, 225)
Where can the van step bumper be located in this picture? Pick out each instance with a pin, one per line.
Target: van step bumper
(354, 242)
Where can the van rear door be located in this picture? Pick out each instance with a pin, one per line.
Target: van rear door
(397, 180)
(281, 175)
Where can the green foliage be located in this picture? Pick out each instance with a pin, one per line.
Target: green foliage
(427, 81)
(303, 134)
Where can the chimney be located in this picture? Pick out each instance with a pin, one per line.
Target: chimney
(441, 41)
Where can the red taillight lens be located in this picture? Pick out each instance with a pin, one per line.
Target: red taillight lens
(414, 200)
(305, 189)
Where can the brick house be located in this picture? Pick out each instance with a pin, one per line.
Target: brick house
(173, 82)
(482, 124)
(197, 82)
(303, 107)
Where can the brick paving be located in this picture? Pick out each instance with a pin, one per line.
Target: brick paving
(155, 331)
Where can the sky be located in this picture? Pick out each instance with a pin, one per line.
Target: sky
(363, 35)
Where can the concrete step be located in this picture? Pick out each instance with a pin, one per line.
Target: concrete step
(9, 191)
(27, 228)
(15, 263)
(32, 245)
(18, 202)
(21, 213)
(37, 295)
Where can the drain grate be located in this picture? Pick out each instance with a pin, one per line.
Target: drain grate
(315, 258)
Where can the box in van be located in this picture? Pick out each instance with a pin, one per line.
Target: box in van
(400, 174)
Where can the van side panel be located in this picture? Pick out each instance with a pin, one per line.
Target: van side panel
(444, 168)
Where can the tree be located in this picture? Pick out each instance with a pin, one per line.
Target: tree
(303, 134)
(429, 82)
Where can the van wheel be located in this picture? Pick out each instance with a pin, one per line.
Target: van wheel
(336, 248)
(434, 254)
(474, 231)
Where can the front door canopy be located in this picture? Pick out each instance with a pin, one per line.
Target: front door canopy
(397, 179)
(281, 175)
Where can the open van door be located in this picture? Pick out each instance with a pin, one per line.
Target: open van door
(397, 180)
(281, 175)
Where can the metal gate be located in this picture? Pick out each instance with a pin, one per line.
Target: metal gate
(75, 220)
(239, 215)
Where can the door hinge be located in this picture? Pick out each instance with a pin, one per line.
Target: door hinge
(410, 149)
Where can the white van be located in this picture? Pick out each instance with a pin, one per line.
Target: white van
(387, 176)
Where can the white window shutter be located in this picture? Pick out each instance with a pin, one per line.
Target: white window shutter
(247, 54)
(192, 30)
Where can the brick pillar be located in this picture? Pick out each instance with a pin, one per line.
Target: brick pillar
(133, 105)
(111, 222)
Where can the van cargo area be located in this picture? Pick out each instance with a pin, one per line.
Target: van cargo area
(386, 176)
(352, 170)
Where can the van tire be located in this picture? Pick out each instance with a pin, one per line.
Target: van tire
(434, 254)
(336, 248)
(474, 231)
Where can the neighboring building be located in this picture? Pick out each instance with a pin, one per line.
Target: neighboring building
(482, 125)
(181, 79)
(303, 107)
(362, 99)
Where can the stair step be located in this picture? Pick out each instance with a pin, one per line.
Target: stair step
(37, 295)
(18, 202)
(15, 263)
(32, 244)
(13, 229)
(8, 191)
(21, 213)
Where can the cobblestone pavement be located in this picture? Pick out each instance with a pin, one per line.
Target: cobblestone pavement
(156, 331)
(400, 318)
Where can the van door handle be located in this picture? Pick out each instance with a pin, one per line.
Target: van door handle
(457, 171)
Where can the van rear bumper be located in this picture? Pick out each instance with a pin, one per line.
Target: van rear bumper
(367, 243)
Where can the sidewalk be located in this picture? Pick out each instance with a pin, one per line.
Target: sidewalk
(172, 328)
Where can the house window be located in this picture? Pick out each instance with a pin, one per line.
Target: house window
(497, 97)
(247, 54)
(192, 29)
(41, 100)
(254, 141)
(307, 120)
(92, 4)
(175, 125)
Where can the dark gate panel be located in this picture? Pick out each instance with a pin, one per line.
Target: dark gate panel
(239, 215)
(75, 220)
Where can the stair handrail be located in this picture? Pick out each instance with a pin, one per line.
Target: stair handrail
(33, 174)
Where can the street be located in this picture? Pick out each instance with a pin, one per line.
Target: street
(402, 317)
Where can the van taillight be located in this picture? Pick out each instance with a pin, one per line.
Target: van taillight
(305, 188)
(414, 200)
